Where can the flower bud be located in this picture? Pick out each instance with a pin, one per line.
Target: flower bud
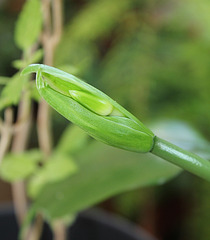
(92, 110)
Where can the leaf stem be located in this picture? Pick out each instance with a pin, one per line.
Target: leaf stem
(182, 158)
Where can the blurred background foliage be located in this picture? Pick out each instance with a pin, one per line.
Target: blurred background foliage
(153, 57)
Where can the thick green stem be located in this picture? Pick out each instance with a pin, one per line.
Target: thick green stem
(182, 158)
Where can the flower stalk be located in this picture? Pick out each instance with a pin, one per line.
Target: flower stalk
(182, 158)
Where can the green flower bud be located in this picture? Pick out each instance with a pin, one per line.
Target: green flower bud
(92, 110)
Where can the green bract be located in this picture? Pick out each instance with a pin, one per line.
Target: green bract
(91, 109)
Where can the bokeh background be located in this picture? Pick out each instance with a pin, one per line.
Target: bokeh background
(153, 57)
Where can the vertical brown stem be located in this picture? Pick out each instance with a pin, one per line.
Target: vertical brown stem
(19, 145)
(6, 132)
(43, 127)
(43, 119)
(57, 21)
(34, 232)
(51, 36)
(59, 230)
(18, 188)
(50, 39)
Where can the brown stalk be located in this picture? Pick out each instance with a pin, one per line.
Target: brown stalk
(52, 11)
(6, 132)
(18, 145)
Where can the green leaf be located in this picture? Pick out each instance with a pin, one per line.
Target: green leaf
(29, 24)
(4, 80)
(18, 166)
(58, 167)
(19, 64)
(12, 91)
(72, 140)
(103, 171)
(107, 13)
(80, 35)
(37, 56)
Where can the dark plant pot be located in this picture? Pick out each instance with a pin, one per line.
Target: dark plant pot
(89, 225)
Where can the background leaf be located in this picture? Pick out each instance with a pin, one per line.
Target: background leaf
(12, 91)
(34, 58)
(57, 168)
(17, 166)
(105, 171)
(4, 80)
(72, 140)
(99, 176)
(78, 44)
(183, 135)
(29, 24)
